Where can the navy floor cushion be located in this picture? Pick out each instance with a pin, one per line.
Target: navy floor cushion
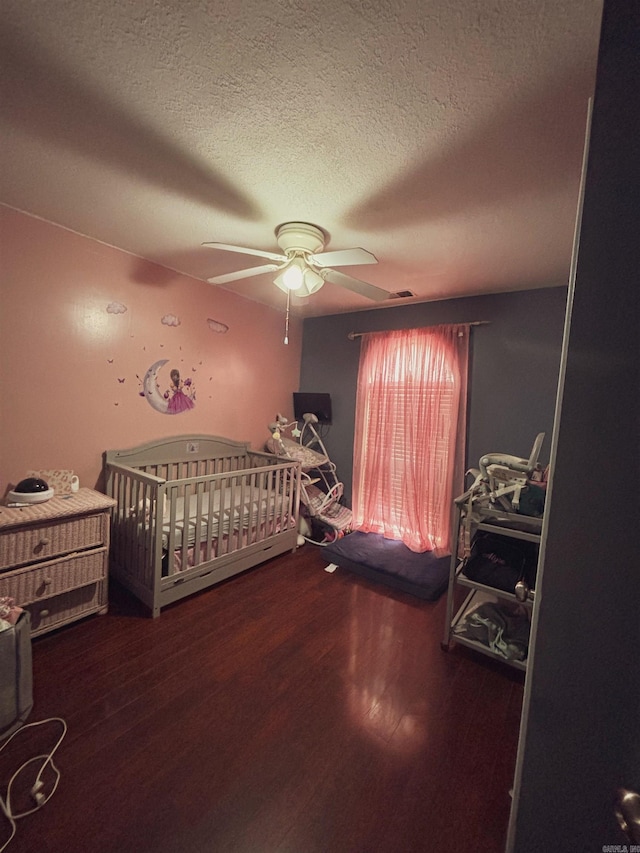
(390, 562)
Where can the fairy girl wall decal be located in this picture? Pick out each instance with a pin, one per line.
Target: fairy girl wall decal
(179, 397)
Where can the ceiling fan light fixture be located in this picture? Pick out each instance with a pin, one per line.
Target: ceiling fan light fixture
(292, 276)
(299, 278)
(311, 282)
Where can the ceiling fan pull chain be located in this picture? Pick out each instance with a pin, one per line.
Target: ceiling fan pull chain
(286, 319)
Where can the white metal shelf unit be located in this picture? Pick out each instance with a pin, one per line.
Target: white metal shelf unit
(508, 524)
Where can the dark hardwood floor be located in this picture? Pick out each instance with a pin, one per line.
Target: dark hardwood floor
(288, 710)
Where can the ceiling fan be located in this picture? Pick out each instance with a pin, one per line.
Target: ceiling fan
(302, 266)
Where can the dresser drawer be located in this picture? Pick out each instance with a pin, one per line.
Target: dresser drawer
(67, 607)
(49, 539)
(34, 583)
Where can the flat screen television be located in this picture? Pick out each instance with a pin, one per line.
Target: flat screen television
(316, 404)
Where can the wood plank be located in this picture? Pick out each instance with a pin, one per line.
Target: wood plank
(286, 709)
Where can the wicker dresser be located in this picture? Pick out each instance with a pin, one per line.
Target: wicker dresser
(54, 557)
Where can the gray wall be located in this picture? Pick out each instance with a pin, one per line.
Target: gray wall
(513, 377)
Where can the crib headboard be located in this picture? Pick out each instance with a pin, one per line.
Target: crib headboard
(178, 448)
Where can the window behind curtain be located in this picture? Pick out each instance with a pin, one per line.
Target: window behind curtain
(409, 436)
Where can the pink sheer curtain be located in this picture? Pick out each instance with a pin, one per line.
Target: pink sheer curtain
(409, 434)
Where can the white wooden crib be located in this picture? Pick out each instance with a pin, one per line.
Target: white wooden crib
(193, 510)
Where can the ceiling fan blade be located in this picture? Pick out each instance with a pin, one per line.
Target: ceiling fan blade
(355, 285)
(236, 276)
(343, 258)
(226, 247)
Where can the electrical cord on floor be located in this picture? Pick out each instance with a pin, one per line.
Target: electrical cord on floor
(37, 794)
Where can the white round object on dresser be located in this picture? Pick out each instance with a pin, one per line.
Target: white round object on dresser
(30, 497)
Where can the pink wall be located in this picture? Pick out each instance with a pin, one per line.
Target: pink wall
(71, 371)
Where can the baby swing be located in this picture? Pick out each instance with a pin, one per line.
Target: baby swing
(323, 518)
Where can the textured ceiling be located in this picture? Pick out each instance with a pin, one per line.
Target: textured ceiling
(444, 136)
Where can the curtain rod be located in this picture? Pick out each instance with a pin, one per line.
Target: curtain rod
(353, 335)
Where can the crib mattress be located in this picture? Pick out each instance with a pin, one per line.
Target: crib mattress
(231, 509)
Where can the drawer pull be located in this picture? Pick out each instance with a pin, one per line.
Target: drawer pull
(44, 541)
(47, 581)
(43, 613)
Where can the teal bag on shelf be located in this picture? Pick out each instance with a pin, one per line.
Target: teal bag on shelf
(532, 499)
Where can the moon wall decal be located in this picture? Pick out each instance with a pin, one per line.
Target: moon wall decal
(152, 393)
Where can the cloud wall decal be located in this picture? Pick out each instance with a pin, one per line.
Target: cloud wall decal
(215, 326)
